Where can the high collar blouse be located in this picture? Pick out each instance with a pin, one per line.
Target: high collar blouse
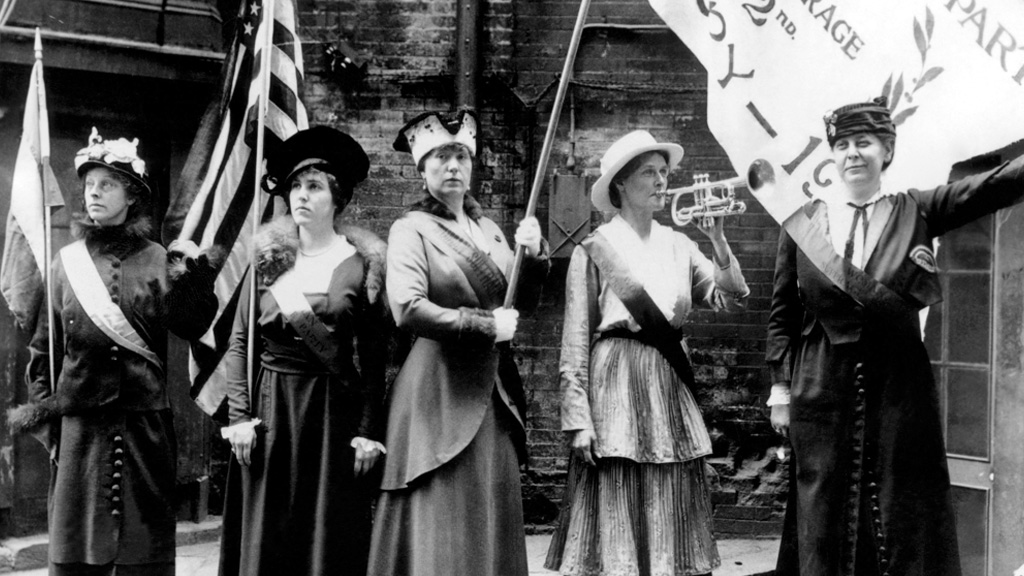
(657, 263)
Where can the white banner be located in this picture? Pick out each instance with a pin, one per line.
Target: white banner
(953, 71)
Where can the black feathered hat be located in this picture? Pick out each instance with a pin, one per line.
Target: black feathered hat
(329, 150)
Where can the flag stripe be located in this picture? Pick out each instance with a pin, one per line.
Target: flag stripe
(221, 204)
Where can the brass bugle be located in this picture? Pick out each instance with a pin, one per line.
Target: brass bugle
(710, 200)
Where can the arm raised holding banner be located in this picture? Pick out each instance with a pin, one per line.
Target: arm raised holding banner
(852, 380)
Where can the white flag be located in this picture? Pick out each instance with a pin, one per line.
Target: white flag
(953, 71)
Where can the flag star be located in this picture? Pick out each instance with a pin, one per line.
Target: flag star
(255, 8)
(248, 28)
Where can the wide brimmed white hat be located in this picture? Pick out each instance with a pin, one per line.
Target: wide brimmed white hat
(620, 153)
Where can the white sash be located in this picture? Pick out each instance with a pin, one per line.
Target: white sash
(92, 295)
(300, 316)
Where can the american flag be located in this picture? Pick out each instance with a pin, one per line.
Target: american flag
(212, 202)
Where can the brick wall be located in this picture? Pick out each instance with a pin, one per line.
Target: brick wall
(625, 78)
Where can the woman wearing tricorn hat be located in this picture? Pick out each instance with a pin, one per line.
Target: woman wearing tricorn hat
(106, 422)
(637, 500)
(852, 383)
(451, 501)
(306, 434)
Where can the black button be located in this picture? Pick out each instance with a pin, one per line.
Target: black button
(117, 476)
(113, 298)
(884, 562)
(874, 498)
(113, 276)
(116, 263)
(118, 439)
(116, 487)
(113, 358)
(881, 549)
(118, 463)
(114, 349)
(860, 378)
(115, 513)
(113, 288)
(859, 366)
(872, 485)
(875, 509)
(116, 498)
(860, 391)
(118, 451)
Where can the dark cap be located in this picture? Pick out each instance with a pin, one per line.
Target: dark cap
(329, 150)
(873, 117)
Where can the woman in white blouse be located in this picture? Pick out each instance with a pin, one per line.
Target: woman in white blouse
(637, 500)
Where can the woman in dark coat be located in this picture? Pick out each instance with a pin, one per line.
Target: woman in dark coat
(307, 433)
(637, 500)
(852, 382)
(451, 501)
(107, 423)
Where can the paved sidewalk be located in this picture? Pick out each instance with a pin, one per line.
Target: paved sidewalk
(739, 557)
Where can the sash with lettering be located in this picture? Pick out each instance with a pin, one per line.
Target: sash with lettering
(300, 316)
(489, 284)
(95, 300)
(655, 329)
(877, 298)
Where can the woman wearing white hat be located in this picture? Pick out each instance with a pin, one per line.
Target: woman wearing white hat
(637, 500)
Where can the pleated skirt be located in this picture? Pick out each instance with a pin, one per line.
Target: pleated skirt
(645, 509)
(462, 519)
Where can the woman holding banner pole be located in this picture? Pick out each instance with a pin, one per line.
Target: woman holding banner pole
(853, 386)
(307, 434)
(451, 501)
(637, 500)
(107, 422)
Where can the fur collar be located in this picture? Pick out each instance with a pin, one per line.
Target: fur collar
(434, 206)
(84, 227)
(277, 245)
(120, 240)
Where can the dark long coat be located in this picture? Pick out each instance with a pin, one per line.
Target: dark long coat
(110, 428)
(871, 492)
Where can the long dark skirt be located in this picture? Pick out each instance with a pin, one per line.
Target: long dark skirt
(463, 519)
(298, 509)
(628, 518)
(112, 491)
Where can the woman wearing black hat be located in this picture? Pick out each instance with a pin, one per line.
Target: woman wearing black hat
(852, 382)
(307, 433)
(451, 501)
(107, 422)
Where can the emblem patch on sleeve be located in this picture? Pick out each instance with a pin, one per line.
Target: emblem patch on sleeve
(923, 257)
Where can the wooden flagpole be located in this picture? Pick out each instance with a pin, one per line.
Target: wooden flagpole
(261, 105)
(51, 199)
(545, 152)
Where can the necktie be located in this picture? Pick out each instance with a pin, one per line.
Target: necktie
(860, 213)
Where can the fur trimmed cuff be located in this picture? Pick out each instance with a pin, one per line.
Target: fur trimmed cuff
(477, 325)
(202, 268)
(29, 418)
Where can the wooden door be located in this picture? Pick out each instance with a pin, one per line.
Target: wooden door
(976, 342)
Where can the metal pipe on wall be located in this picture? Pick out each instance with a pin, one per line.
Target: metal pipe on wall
(467, 61)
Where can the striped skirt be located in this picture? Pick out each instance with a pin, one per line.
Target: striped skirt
(645, 509)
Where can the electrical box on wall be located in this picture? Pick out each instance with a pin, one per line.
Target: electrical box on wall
(568, 213)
